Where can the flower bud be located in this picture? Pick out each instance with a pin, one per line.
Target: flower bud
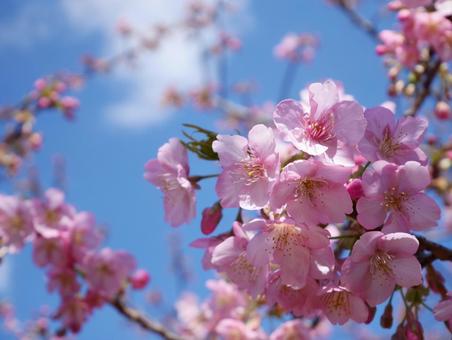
(442, 111)
(139, 279)
(386, 318)
(211, 217)
(355, 189)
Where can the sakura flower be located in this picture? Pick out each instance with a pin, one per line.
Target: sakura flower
(209, 244)
(297, 48)
(393, 196)
(443, 310)
(226, 299)
(230, 257)
(250, 167)
(293, 329)
(83, 235)
(107, 271)
(51, 213)
(378, 262)
(314, 192)
(299, 252)
(73, 312)
(64, 280)
(328, 120)
(169, 172)
(232, 329)
(16, 224)
(391, 140)
(340, 305)
(50, 251)
(299, 301)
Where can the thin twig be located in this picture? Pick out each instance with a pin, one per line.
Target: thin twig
(437, 251)
(135, 316)
(426, 89)
(357, 19)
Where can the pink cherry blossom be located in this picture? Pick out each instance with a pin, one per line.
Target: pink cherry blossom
(394, 197)
(16, 224)
(299, 252)
(293, 329)
(297, 47)
(73, 312)
(50, 251)
(328, 120)
(355, 189)
(298, 301)
(169, 172)
(51, 214)
(232, 329)
(107, 271)
(313, 192)
(63, 280)
(378, 262)
(83, 235)
(340, 305)
(230, 257)
(250, 167)
(391, 140)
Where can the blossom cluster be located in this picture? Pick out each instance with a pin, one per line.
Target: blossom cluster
(20, 138)
(66, 245)
(326, 169)
(229, 313)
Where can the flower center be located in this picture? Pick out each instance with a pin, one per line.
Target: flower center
(387, 145)
(381, 263)
(394, 199)
(307, 187)
(337, 301)
(320, 130)
(16, 222)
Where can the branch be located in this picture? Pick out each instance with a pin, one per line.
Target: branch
(420, 99)
(135, 316)
(437, 251)
(357, 19)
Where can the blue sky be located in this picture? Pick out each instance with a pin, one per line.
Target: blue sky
(105, 155)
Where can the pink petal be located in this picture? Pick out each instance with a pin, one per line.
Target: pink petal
(371, 212)
(381, 286)
(322, 96)
(230, 149)
(410, 130)
(399, 244)
(288, 115)
(358, 309)
(422, 211)
(262, 140)
(350, 121)
(413, 177)
(407, 271)
(228, 193)
(366, 246)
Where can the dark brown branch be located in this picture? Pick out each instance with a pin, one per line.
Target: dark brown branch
(357, 19)
(426, 89)
(437, 251)
(135, 316)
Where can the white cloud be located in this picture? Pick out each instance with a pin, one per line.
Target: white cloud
(176, 62)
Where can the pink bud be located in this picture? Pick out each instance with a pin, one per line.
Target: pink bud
(355, 189)
(40, 84)
(139, 279)
(442, 111)
(43, 102)
(211, 216)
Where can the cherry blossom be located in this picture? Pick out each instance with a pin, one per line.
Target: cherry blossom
(313, 191)
(394, 197)
(378, 262)
(391, 140)
(250, 167)
(169, 172)
(327, 121)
